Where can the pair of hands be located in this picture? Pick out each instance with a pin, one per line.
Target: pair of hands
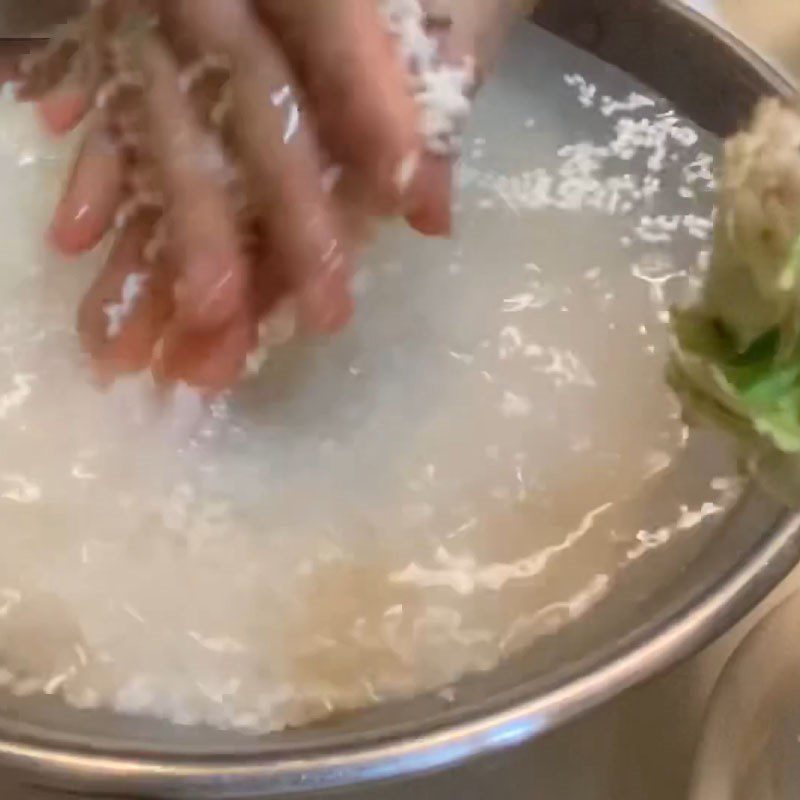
(231, 198)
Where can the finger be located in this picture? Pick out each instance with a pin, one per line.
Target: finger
(214, 362)
(355, 210)
(212, 275)
(45, 67)
(63, 108)
(87, 208)
(68, 69)
(468, 34)
(124, 313)
(299, 218)
(282, 159)
(474, 29)
(269, 283)
(14, 52)
(358, 88)
(210, 361)
(431, 197)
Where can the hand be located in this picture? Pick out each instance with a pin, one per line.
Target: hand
(230, 200)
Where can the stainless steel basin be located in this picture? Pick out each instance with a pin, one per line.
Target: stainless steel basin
(716, 81)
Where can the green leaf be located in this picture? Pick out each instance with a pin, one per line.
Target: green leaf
(735, 363)
(782, 426)
(699, 334)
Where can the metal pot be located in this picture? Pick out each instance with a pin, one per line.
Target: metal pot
(715, 80)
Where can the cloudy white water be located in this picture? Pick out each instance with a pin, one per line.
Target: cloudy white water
(467, 469)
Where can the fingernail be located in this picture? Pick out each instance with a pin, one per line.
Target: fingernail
(207, 296)
(280, 325)
(71, 231)
(430, 200)
(277, 329)
(431, 222)
(63, 109)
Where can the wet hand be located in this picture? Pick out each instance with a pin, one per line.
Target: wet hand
(241, 150)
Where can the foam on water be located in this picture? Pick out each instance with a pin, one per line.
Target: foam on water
(468, 468)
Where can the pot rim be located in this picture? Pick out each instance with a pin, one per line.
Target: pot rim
(407, 752)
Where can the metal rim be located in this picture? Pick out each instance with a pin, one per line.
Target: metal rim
(727, 602)
(730, 598)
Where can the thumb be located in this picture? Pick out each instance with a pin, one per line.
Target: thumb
(469, 35)
(474, 29)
